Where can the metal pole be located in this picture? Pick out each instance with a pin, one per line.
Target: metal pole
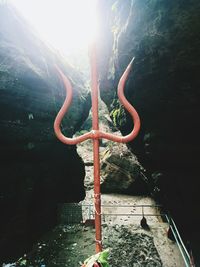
(96, 134)
(96, 161)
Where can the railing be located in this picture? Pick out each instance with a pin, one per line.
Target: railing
(91, 212)
(185, 254)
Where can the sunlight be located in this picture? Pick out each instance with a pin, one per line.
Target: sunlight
(68, 25)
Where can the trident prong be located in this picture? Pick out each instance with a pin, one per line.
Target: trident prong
(95, 134)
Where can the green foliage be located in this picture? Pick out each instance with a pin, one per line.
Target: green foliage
(117, 114)
(22, 262)
(103, 258)
(100, 257)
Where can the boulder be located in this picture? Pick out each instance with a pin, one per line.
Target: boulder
(121, 172)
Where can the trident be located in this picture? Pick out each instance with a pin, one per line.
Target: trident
(95, 134)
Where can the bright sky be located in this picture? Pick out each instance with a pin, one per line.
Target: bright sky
(68, 25)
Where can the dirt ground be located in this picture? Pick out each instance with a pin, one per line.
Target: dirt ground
(129, 245)
(69, 246)
(131, 206)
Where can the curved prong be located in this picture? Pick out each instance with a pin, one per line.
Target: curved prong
(61, 113)
(129, 108)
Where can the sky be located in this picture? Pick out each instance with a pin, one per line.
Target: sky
(67, 25)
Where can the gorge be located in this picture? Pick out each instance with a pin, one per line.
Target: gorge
(38, 172)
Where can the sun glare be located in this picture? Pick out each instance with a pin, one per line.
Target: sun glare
(68, 25)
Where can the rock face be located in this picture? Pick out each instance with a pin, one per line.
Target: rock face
(164, 38)
(121, 172)
(37, 171)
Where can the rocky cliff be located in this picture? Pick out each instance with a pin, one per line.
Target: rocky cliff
(37, 171)
(164, 38)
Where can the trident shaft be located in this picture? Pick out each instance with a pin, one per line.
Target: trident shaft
(96, 134)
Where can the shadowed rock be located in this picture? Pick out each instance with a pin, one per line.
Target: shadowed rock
(37, 171)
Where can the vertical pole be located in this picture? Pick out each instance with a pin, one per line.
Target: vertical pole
(95, 127)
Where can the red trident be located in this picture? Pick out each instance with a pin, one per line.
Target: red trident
(96, 134)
